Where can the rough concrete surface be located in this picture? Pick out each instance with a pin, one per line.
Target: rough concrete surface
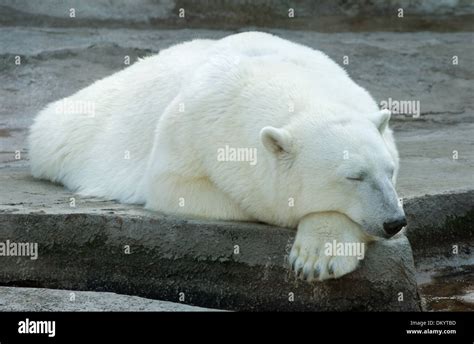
(322, 15)
(52, 300)
(440, 220)
(84, 247)
(170, 255)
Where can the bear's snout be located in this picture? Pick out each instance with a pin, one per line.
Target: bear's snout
(393, 227)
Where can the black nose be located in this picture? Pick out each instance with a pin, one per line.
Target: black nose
(393, 227)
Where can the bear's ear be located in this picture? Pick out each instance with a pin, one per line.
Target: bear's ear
(276, 140)
(381, 119)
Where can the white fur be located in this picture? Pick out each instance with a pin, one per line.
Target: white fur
(237, 91)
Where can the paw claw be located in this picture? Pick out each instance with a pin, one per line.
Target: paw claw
(299, 264)
(317, 271)
(292, 259)
(331, 269)
(307, 270)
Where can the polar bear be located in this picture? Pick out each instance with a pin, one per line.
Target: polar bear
(250, 127)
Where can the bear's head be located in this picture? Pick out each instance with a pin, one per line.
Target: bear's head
(341, 163)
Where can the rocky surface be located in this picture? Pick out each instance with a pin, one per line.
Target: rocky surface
(226, 265)
(52, 300)
(321, 15)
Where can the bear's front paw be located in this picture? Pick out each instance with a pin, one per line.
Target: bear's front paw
(327, 245)
(310, 262)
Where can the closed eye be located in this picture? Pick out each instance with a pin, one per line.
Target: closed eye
(357, 178)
